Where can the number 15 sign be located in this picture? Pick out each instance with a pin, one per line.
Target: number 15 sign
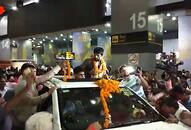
(129, 16)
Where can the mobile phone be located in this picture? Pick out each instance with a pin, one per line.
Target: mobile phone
(138, 69)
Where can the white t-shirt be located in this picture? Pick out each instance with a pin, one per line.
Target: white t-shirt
(179, 111)
(40, 121)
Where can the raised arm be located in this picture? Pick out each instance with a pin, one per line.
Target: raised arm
(48, 75)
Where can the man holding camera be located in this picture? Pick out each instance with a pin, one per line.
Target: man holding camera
(134, 82)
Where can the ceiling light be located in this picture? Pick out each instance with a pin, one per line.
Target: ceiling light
(174, 18)
(105, 32)
(40, 42)
(46, 37)
(33, 38)
(56, 38)
(96, 30)
(51, 40)
(14, 8)
(165, 31)
(61, 35)
(168, 14)
(64, 39)
(83, 32)
(107, 5)
(108, 25)
(13, 41)
(43, 40)
(70, 36)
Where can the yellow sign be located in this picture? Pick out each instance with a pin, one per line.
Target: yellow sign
(115, 39)
(70, 55)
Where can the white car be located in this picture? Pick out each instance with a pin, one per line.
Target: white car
(77, 105)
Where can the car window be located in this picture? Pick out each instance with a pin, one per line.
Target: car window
(80, 107)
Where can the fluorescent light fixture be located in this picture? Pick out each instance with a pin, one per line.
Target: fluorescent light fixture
(27, 2)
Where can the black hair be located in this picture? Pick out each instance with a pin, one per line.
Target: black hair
(163, 75)
(3, 76)
(121, 67)
(78, 69)
(98, 50)
(178, 89)
(170, 102)
(26, 65)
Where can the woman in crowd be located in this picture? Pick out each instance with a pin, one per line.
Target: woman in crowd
(30, 101)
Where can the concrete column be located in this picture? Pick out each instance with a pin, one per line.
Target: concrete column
(184, 43)
(145, 60)
(5, 50)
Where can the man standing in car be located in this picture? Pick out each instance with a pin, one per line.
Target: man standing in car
(95, 67)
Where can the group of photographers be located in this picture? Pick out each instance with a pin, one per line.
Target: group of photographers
(170, 94)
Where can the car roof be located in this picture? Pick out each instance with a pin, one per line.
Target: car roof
(74, 83)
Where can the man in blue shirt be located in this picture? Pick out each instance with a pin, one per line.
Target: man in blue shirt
(134, 82)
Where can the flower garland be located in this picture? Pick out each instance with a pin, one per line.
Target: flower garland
(107, 87)
(67, 63)
(99, 70)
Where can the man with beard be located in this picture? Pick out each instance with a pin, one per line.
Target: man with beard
(95, 67)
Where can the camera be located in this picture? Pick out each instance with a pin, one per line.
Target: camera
(168, 63)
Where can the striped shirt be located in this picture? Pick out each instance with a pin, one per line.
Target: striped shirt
(134, 83)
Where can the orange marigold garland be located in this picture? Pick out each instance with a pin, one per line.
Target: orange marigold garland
(107, 87)
(101, 69)
(67, 63)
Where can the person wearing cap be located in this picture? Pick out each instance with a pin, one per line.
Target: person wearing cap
(31, 99)
(135, 82)
(95, 67)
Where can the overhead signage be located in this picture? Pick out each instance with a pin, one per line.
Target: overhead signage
(121, 38)
(129, 16)
(70, 55)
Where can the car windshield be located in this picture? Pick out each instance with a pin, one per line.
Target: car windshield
(80, 107)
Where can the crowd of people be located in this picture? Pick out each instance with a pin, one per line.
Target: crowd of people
(169, 92)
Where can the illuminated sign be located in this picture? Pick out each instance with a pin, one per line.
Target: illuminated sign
(2, 9)
(66, 56)
(70, 55)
